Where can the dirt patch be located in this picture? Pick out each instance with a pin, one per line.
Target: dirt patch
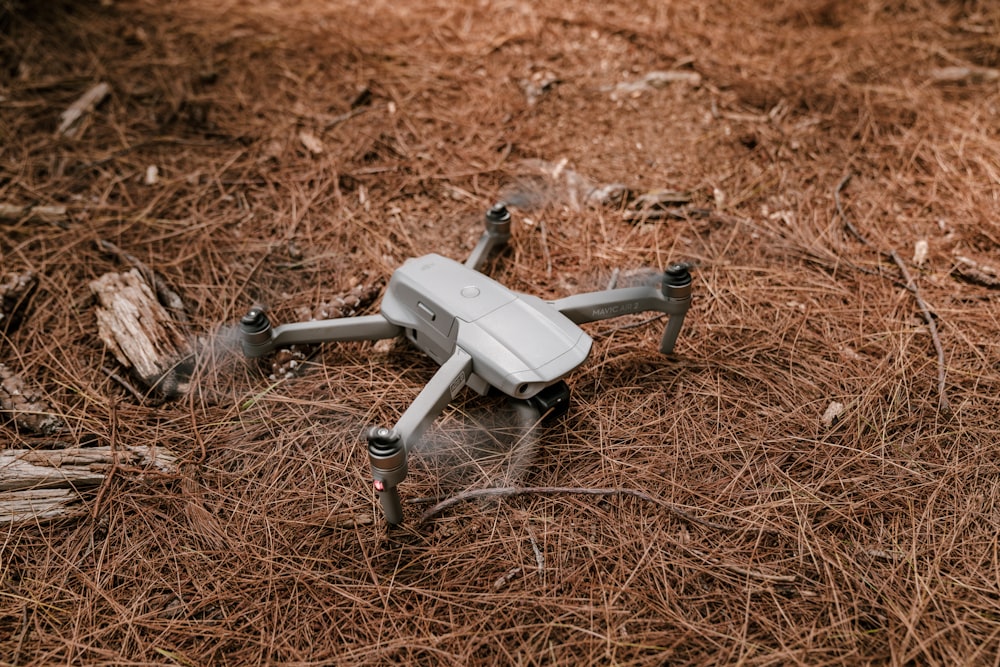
(810, 479)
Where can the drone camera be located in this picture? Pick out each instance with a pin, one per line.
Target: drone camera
(553, 401)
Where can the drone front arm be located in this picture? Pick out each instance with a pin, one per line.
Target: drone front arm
(497, 235)
(260, 338)
(387, 448)
(673, 298)
(447, 382)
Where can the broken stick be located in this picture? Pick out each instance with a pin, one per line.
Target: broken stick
(943, 404)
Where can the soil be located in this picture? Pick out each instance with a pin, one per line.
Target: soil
(810, 479)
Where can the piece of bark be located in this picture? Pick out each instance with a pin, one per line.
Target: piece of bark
(25, 404)
(74, 467)
(40, 213)
(86, 103)
(140, 333)
(15, 292)
(542, 183)
(45, 484)
(166, 295)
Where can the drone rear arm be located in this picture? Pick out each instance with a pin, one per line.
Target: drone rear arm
(672, 298)
(387, 448)
(259, 337)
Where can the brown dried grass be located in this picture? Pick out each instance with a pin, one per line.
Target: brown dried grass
(870, 540)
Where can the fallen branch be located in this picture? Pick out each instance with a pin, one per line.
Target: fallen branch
(45, 484)
(507, 491)
(74, 467)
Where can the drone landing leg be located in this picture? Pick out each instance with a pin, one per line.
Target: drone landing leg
(387, 448)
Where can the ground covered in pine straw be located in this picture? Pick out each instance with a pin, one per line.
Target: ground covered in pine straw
(812, 478)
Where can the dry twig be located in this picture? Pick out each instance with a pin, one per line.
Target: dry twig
(943, 404)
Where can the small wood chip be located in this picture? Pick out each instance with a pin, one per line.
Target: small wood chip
(920, 252)
(41, 213)
(832, 414)
(311, 142)
(77, 111)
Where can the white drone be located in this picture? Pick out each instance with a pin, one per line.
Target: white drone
(481, 333)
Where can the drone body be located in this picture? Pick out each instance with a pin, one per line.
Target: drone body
(481, 333)
(519, 343)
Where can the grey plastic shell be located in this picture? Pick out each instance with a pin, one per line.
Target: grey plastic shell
(518, 343)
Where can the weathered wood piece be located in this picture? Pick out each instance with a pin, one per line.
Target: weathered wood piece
(43, 484)
(76, 112)
(25, 404)
(166, 295)
(36, 504)
(141, 334)
(15, 292)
